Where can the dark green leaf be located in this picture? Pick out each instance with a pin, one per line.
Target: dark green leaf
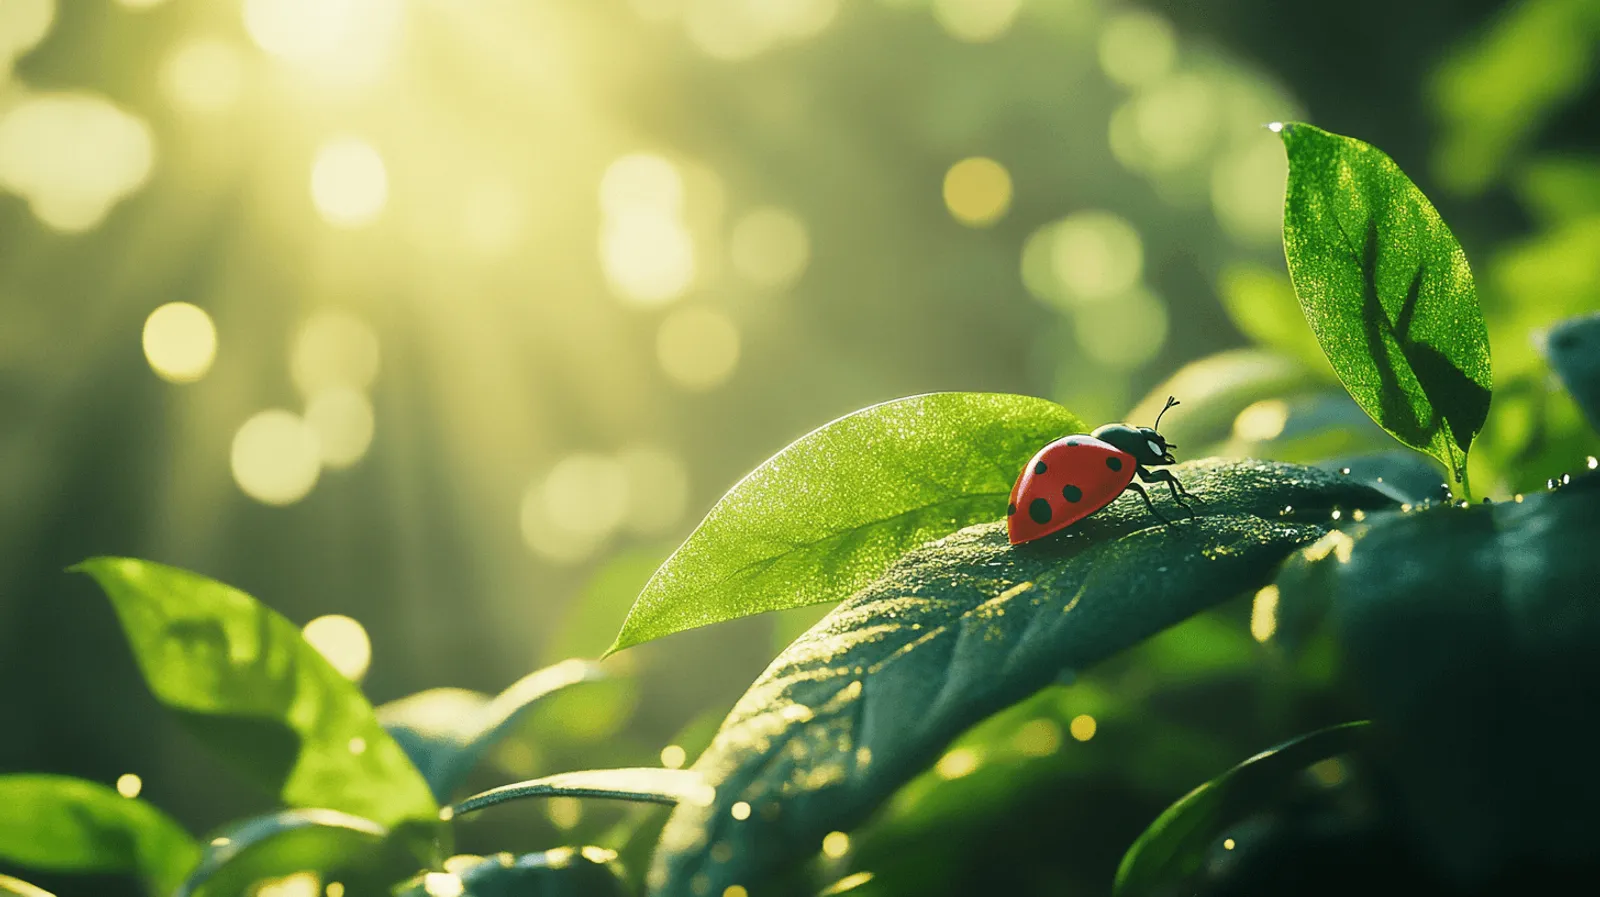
(336, 846)
(1174, 847)
(958, 630)
(644, 784)
(62, 824)
(828, 513)
(563, 872)
(1574, 350)
(20, 888)
(445, 731)
(1468, 636)
(243, 680)
(1388, 292)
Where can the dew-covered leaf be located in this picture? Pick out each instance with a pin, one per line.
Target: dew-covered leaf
(1387, 290)
(957, 630)
(1174, 847)
(244, 681)
(1467, 634)
(334, 845)
(562, 872)
(62, 824)
(831, 511)
(642, 784)
(445, 731)
(1573, 347)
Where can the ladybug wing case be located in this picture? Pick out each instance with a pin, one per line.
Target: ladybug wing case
(1068, 480)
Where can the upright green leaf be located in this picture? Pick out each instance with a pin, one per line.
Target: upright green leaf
(1468, 636)
(242, 679)
(63, 824)
(1388, 292)
(446, 731)
(824, 516)
(957, 630)
(1174, 847)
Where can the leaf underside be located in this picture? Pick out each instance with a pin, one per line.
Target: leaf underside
(642, 785)
(1388, 293)
(956, 631)
(833, 510)
(281, 844)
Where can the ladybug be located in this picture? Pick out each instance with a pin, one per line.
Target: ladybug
(1073, 477)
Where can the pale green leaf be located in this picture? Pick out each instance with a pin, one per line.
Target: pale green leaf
(643, 785)
(62, 824)
(957, 630)
(20, 888)
(244, 681)
(336, 846)
(832, 510)
(1387, 290)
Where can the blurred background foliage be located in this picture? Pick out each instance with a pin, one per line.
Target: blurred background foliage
(436, 325)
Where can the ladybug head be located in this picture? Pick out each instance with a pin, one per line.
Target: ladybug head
(1143, 443)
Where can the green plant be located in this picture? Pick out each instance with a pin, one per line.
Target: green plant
(954, 663)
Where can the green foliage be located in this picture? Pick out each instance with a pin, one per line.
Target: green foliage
(445, 732)
(644, 785)
(957, 630)
(563, 872)
(63, 824)
(831, 511)
(1174, 847)
(336, 846)
(1467, 635)
(1387, 290)
(245, 682)
(1262, 304)
(1574, 350)
(20, 888)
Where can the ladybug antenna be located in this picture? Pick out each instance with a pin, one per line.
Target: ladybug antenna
(1170, 402)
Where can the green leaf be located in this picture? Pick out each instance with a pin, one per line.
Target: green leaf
(336, 846)
(563, 872)
(63, 824)
(1214, 390)
(1388, 292)
(241, 678)
(1573, 347)
(957, 630)
(642, 784)
(1558, 189)
(445, 731)
(17, 886)
(1262, 304)
(1467, 636)
(1173, 849)
(830, 512)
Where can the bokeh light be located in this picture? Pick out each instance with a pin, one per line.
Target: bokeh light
(341, 41)
(657, 488)
(641, 181)
(769, 247)
(1124, 332)
(976, 21)
(129, 785)
(23, 24)
(1168, 126)
(203, 75)
(1137, 47)
(1261, 421)
(1037, 738)
(957, 763)
(977, 191)
(647, 256)
(275, 457)
(343, 420)
(343, 642)
(587, 493)
(333, 348)
(735, 30)
(698, 348)
(141, 4)
(835, 845)
(180, 342)
(349, 182)
(1247, 185)
(73, 156)
(1085, 257)
(1083, 727)
(673, 756)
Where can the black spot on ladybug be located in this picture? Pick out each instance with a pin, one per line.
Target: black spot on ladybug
(1072, 493)
(1010, 510)
(1114, 463)
(1039, 510)
(1039, 468)
(1074, 441)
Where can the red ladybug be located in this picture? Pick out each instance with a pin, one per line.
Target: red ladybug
(1073, 477)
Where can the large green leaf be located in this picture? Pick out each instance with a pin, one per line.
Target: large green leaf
(1388, 292)
(957, 630)
(1468, 636)
(63, 824)
(336, 846)
(562, 872)
(446, 731)
(1574, 350)
(1173, 849)
(243, 680)
(824, 516)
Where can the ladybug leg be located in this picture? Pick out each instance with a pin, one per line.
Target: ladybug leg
(1146, 496)
(1176, 488)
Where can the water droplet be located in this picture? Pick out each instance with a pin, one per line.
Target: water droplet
(1593, 462)
(1336, 514)
(1487, 500)
(1287, 510)
(1405, 509)
(1517, 498)
(1566, 478)
(1345, 471)
(1550, 484)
